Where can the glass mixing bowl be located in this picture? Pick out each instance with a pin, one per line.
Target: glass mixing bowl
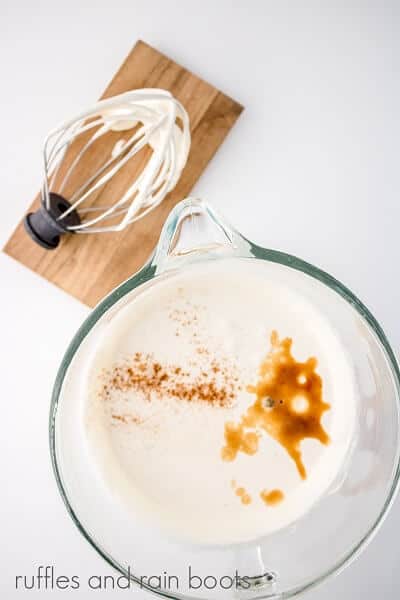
(292, 559)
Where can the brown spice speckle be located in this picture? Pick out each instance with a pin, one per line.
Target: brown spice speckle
(127, 419)
(147, 376)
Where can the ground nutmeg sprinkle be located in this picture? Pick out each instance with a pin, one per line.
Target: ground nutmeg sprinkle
(216, 385)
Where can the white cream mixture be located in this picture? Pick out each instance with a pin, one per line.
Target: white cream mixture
(173, 368)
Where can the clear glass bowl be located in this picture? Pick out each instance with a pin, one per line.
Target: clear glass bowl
(297, 557)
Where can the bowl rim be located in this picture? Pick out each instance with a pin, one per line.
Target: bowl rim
(148, 272)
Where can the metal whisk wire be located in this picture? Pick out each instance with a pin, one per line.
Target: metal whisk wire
(157, 120)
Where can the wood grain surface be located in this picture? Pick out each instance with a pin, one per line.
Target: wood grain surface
(89, 266)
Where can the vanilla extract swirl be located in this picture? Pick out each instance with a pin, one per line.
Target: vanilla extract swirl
(289, 406)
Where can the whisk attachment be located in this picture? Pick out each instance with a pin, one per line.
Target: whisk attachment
(146, 118)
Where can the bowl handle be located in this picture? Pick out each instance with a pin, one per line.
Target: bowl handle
(192, 230)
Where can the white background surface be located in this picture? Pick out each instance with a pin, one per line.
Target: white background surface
(310, 168)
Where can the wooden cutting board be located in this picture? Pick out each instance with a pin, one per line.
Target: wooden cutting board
(90, 266)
